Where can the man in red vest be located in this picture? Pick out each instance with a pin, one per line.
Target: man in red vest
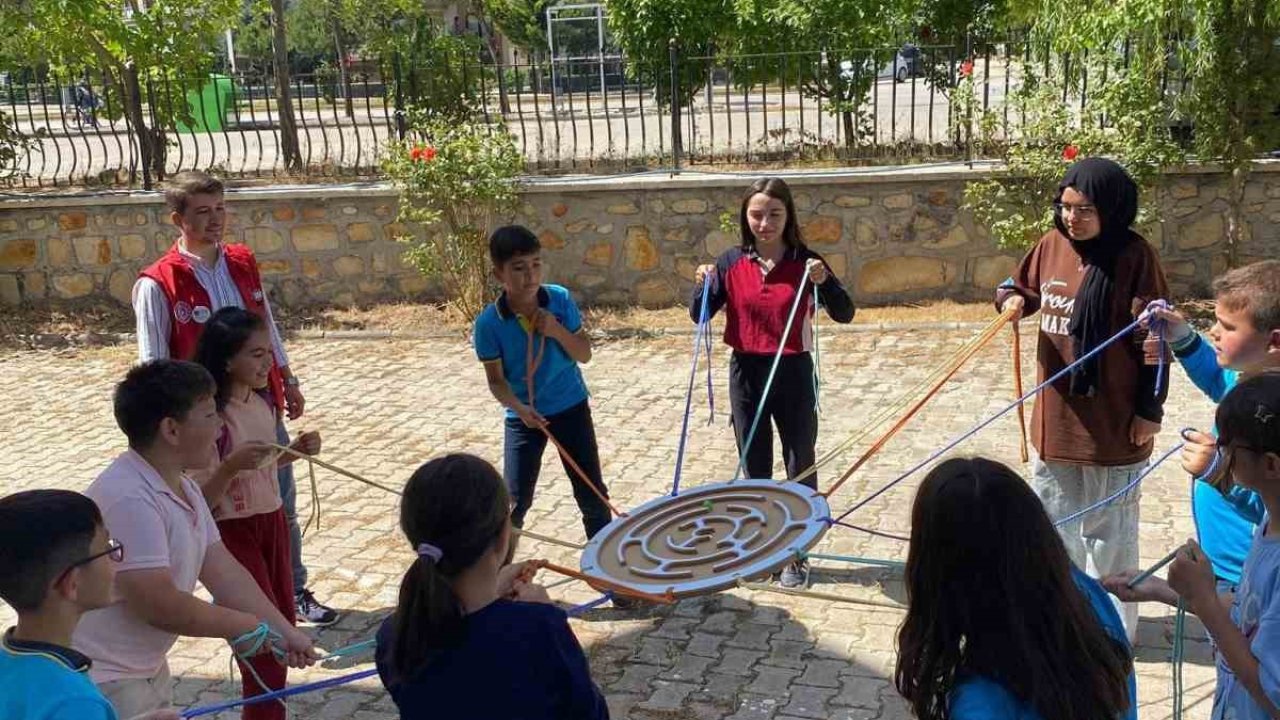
(178, 293)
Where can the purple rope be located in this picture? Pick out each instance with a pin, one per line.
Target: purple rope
(279, 694)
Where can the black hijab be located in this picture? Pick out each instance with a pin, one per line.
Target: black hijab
(1110, 189)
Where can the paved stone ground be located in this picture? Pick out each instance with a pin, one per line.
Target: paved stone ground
(384, 407)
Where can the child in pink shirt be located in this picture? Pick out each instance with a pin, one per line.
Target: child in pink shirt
(235, 348)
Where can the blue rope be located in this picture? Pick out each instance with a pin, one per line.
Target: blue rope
(951, 445)
(353, 649)
(278, 694)
(577, 610)
(703, 324)
(1117, 494)
(777, 358)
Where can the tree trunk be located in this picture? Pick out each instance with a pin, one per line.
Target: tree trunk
(132, 90)
(1237, 178)
(343, 75)
(284, 93)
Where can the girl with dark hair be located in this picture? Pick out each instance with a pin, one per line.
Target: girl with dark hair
(1000, 625)
(470, 638)
(1093, 431)
(239, 480)
(1244, 625)
(756, 283)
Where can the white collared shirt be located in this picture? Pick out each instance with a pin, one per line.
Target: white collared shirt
(154, 321)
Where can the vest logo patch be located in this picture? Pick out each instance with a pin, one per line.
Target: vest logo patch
(201, 314)
(257, 296)
(182, 312)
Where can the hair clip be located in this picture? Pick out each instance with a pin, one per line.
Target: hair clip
(429, 551)
(1264, 414)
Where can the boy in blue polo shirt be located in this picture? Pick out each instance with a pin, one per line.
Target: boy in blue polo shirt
(530, 341)
(56, 563)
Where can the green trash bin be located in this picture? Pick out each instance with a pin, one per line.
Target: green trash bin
(209, 105)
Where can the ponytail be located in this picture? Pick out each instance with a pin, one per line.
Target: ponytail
(454, 510)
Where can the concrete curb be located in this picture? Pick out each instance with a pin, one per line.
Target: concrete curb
(94, 339)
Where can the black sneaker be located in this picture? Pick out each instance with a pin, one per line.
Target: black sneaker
(312, 612)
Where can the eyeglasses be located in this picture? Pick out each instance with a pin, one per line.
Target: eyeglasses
(114, 550)
(1083, 212)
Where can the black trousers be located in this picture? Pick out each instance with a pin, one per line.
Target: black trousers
(522, 462)
(791, 406)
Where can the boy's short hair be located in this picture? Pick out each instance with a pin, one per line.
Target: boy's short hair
(1250, 413)
(1254, 288)
(157, 390)
(510, 241)
(42, 533)
(188, 183)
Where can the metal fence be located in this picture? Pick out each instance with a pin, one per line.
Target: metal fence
(598, 114)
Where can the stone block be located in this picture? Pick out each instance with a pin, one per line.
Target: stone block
(578, 226)
(283, 213)
(990, 271)
(34, 224)
(678, 235)
(372, 287)
(122, 219)
(58, 253)
(559, 209)
(838, 263)
(395, 231)
(550, 240)
(18, 254)
(1179, 268)
(903, 274)
(1207, 231)
(604, 229)
(264, 240)
(360, 233)
(132, 246)
(865, 236)
(350, 210)
(414, 284)
(120, 285)
(687, 267)
(955, 237)
(690, 206)
(275, 267)
(35, 286)
(8, 226)
(823, 230)
(73, 220)
(657, 207)
(9, 292)
(589, 280)
(313, 213)
(73, 285)
(382, 211)
(312, 269)
(348, 266)
(852, 201)
(940, 198)
(655, 292)
(627, 208)
(717, 241)
(641, 253)
(599, 255)
(313, 238)
(898, 201)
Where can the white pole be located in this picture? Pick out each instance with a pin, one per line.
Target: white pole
(551, 48)
(231, 52)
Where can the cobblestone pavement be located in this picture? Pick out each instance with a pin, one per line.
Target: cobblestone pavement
(386, 406)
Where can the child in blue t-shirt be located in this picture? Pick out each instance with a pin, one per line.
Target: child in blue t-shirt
(1244, 340)
(1244, 625)
(1000, 625)
(56, 563)
(530, 341)
(470, 637)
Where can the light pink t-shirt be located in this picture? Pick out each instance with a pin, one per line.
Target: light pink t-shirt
(159, 529)
(251, 492)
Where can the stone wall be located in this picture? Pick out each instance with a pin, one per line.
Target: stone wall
(893, 236)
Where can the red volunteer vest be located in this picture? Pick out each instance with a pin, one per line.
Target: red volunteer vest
(190, 304)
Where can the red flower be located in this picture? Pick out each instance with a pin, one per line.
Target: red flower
(422, 153)
(1070, 152)
(966, 68)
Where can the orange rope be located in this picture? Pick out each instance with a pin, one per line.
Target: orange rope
(1017, 386)
(985, 338)
(531, 366)
(668, 598)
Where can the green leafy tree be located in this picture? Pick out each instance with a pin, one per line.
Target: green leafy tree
(455, 184)
(160, 46)
(648, 31)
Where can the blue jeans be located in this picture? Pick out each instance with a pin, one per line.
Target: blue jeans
(289, 495)
(522, 461)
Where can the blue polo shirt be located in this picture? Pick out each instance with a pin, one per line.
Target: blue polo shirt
(502, 335)
(42, 681)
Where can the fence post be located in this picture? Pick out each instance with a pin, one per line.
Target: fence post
(399, 97)
(677, 146)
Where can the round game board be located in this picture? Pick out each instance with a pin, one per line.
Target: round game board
(708, 538)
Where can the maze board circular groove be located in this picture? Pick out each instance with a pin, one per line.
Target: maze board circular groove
(708, 538)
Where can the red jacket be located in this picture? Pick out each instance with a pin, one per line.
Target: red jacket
(190, 304)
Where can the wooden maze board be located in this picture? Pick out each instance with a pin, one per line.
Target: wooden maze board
(708, 538)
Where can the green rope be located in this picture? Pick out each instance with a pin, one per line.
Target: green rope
(1179, 629)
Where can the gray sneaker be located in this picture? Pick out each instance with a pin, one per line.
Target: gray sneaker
(795, 575)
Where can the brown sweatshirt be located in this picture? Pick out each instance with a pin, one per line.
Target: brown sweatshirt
(1092, 430)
